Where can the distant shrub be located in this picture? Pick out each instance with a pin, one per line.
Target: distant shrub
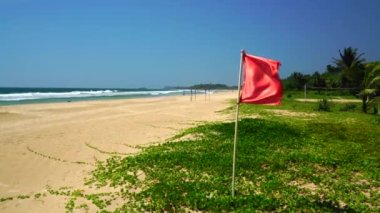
(324, 105)
(376, 120)
(348, 107)
(289, 96)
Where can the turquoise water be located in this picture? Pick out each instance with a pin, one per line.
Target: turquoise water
(12, 96)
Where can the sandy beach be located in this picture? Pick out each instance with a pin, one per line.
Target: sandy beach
(57, 144)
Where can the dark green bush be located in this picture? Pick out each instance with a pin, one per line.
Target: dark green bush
(324, 105)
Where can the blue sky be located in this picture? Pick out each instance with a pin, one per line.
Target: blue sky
(152, 44)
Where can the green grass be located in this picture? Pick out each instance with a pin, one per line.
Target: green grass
(289, 103)
(319, 95)
(326, 162)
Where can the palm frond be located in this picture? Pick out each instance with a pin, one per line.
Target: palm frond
(367, 92)
(375, 82)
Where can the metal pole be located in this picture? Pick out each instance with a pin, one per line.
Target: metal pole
(205, 95)
(236, 123)
(304, 86)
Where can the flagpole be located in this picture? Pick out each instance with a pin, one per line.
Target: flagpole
(236, 123)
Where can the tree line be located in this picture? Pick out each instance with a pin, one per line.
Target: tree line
(349, 72)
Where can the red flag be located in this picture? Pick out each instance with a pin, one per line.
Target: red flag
(261, 84)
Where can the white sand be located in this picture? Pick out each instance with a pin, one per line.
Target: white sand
(65, 132)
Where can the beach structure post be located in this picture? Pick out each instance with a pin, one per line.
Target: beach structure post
(236, 123)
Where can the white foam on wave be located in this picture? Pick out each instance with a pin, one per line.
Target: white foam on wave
(79, 94)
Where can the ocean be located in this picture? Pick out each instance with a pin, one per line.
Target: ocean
(13, 95)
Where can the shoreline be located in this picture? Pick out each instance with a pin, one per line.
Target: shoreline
(78, 100)
(57, 144)
(112, 95)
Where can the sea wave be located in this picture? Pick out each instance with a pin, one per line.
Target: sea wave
(80, 94)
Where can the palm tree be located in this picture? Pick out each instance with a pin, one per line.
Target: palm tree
(370, 93)
(351, 66)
